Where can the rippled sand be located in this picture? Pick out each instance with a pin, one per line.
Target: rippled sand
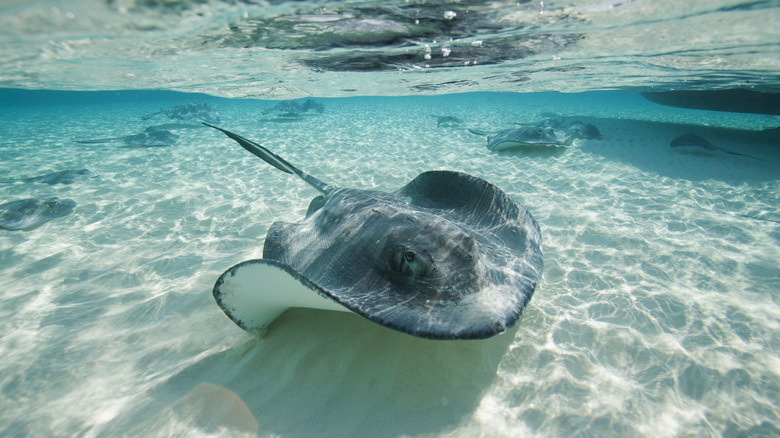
(657, 313)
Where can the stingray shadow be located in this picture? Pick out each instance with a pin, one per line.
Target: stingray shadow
(324, 373)
(532, 151)
(645, 145)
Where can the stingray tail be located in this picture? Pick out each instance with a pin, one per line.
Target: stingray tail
(99, 140)
(737, 153)
(149, 116)
(273, 159)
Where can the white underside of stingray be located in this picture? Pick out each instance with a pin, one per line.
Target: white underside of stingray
(264, 290)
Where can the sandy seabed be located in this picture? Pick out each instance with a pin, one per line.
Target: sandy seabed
(657, 314)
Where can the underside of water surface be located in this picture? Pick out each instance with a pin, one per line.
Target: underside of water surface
(282, 50)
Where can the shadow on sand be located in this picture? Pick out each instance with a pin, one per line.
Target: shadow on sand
(645, 145)
(322, 373)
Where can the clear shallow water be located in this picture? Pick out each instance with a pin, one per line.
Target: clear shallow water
(277, 49)
(657, 313)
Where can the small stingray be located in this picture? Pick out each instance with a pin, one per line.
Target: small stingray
(296, 107)
(27, 214)
(196, 111)
(574, 129)
(447, 256)
(586, 131)
(62, 177)
(447, 121)
(152, 136)
(693, 142)
(524, 137)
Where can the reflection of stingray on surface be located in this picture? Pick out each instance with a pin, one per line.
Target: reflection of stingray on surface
(729, 100)
(28, 214)
(61, 177)
(448, 256)
(151, 137)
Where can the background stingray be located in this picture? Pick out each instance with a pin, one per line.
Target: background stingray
(27, 214)
(447, 121)
(152, 136)
(528, 136)
(68, 176)
(290, 107)
(447, 256)
(195, 111)
(694, 142)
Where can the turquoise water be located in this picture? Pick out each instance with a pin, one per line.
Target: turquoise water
(657, 312)
(656, 315)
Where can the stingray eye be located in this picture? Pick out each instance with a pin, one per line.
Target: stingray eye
(409, 256)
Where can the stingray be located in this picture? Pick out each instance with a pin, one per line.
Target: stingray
(583, 130)
(27, 214)
(196, 111)
(447, 121)
(287, 117)
(575, 128)
(694, 142)
(62, 177)
(296, 107)
(527, 136)
(447, 256)
(152, 136)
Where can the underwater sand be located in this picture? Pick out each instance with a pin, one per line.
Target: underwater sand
(657, 313)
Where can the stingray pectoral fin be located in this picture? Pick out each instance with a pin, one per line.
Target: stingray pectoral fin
(255, 292)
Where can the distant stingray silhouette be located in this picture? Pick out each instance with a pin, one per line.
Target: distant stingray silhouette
(447, 256)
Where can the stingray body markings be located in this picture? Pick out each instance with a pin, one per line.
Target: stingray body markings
(692, 142)
(195, 111)
(151, 137)
(27, 214)
(68, 176)
(447, 256)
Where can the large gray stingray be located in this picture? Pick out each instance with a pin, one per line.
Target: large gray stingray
(26, 214)
(151, 137)
(529, 136)
(62, 177)
(447, 256)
